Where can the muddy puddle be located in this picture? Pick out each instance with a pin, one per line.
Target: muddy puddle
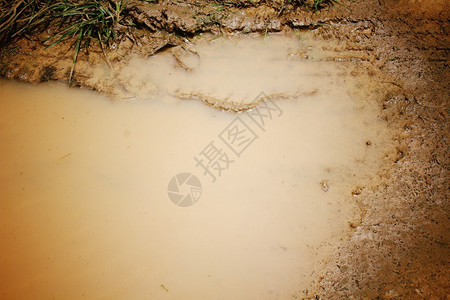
(96, 203)
(226, 72)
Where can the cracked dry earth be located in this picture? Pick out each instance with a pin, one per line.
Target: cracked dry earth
(398, 249)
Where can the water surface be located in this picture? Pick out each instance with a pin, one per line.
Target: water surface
(84, 209)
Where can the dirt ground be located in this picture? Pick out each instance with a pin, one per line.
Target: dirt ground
(399, 249)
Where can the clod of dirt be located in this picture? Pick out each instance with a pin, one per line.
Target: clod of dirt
(324, 185)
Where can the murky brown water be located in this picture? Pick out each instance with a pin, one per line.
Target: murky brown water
(84, 208)
(225, 72)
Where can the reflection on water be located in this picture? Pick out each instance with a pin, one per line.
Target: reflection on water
(85, 210)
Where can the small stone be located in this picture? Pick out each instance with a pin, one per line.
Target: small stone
(324, 185)
(357, 191)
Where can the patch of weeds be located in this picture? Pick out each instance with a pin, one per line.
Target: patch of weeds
(80, 20)
(219, 7)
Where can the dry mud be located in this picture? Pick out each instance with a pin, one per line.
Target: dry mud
(399, 247)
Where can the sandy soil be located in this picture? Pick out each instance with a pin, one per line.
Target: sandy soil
(399, 249)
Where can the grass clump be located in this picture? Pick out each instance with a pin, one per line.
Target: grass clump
(80, 20)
